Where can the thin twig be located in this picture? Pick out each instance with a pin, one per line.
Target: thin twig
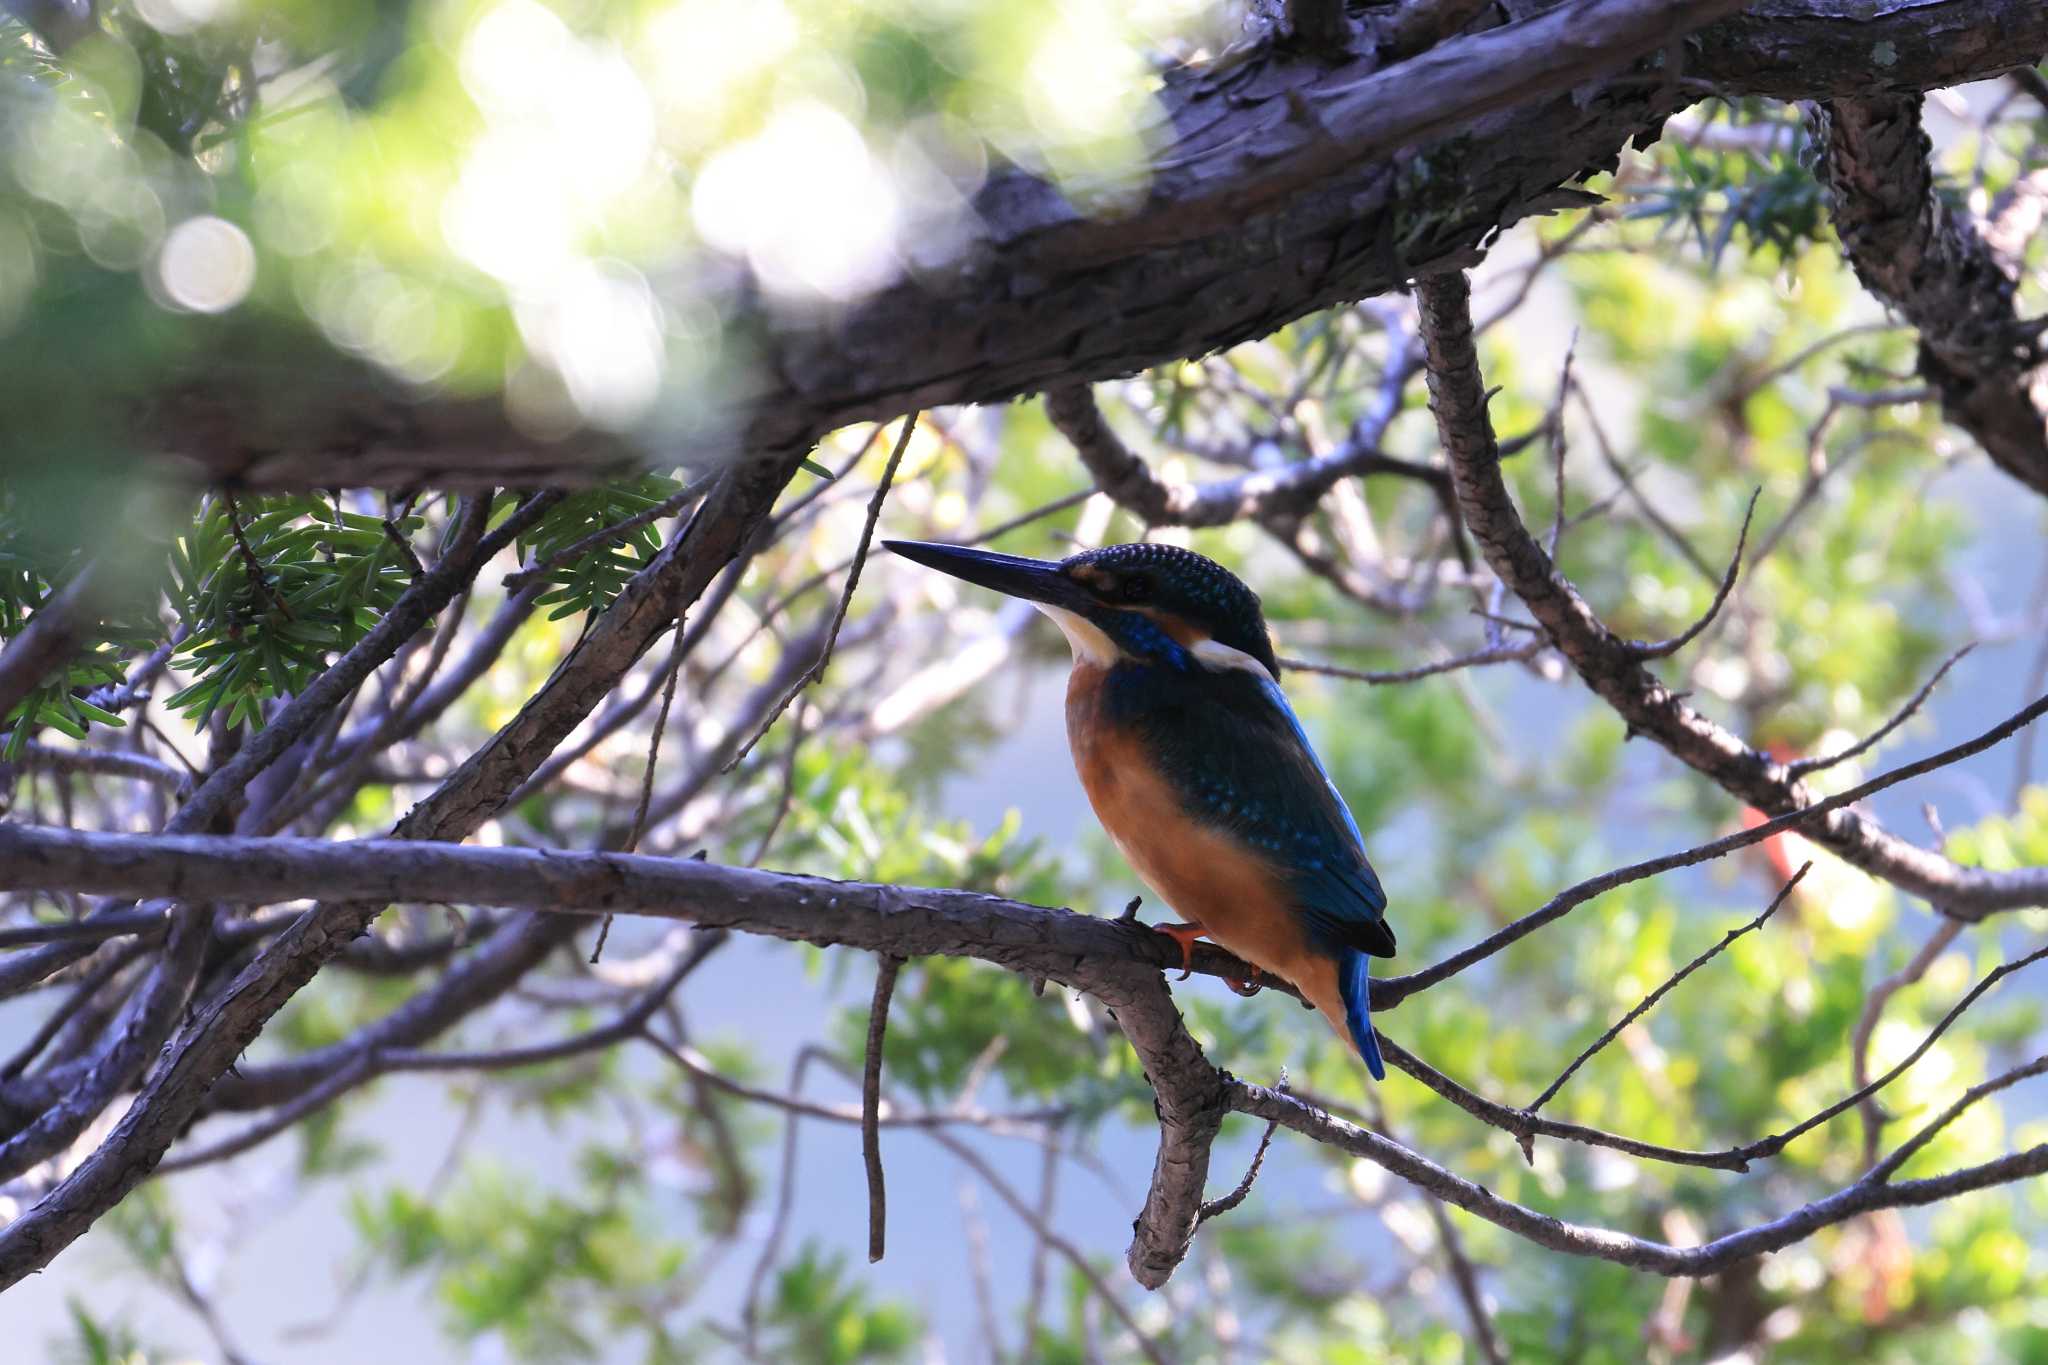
(639, 826)
(1873, 1010)
(397, 538)
(1390, 992)
(785, 1205)
(1649, 1001)
(979, 1271)
(1772, 1145)
(1885, 1169)
(1464, 1275)
(93, 929)
(80, 996)
(1039, 513)
(871, 1104)
(860, 558)
(106, 762)
(1147, 1346)
(1525, 1127)
(1018, 1123)
(1515, 654)
(1643, 650)
(1048, 1191)
(786, 788)
(1212, 1207)
(1660, 1258)
(1658, 521)
(120, 696)
(257, 576)
(2037, 677)
(1559, 447)
(1799, 358)
(1801, 767)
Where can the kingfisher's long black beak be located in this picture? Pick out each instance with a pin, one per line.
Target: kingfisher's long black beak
(1034, 580)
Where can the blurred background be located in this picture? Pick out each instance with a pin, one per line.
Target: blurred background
(577, 211)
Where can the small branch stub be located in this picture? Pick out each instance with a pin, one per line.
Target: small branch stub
(871, 1105)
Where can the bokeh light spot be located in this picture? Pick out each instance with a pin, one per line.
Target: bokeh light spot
(207, 265)
(806, 205)
(181, 16)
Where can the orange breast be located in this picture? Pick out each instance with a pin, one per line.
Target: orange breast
(1207, 876)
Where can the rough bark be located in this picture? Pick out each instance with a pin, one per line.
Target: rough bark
(1290, 184)
(1927, 259)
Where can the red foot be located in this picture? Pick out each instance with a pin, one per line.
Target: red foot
(1247, 986)
(1185, 935)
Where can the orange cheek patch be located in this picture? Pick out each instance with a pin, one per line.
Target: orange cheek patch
(1088, 576)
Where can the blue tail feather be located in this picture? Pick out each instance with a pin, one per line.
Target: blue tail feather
(1352, 979)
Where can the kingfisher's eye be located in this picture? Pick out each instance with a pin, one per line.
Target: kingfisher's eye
(1136, 588)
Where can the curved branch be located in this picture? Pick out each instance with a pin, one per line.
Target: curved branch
(1279, 495)
(1664, 649)
(1575, 1239)
(1926, 258)
(1611, 667)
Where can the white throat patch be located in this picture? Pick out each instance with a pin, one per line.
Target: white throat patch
(1089, 643)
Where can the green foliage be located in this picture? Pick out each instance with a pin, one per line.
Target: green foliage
(552, 1273)
(325, 1149)
(32, 572)
(588, 581)
(270, 588)
(1771, 197)
(1999, 841)
(98, 1342)
(63, 702)
(818, 1315)
(145, 1227)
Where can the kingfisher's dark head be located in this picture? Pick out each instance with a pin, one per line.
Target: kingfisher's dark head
(1149, 603)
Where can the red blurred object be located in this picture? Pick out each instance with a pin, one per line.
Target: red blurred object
(1777, 850)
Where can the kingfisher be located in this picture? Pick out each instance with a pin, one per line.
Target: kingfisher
(1197, 767)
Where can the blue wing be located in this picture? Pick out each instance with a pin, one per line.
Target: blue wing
(1233, 748)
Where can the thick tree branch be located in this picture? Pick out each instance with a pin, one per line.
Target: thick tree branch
(1112, 961)
(1925, 257)
(1257, 215)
